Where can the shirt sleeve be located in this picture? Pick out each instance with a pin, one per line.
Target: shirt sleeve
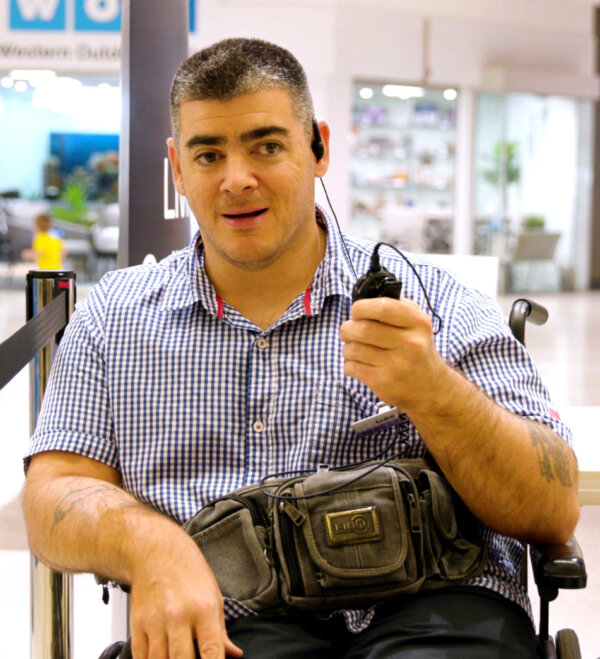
(482, 346)
(75, 414)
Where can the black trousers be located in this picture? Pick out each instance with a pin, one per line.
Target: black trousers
(454, 623)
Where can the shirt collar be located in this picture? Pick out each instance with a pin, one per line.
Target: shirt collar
(334, 276)
(190, 284)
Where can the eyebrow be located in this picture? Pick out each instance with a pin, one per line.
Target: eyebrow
(255, 134)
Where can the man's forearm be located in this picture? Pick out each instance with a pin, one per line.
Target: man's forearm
(80, 519)
(83, 524)
(517, 476)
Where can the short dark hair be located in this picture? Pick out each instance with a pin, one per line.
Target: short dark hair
(233, 67)
(43, 222)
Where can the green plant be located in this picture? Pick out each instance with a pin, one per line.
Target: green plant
(534, 222)
(503, 164)
(74, 208)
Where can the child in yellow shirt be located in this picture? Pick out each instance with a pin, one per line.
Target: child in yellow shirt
(47, 249)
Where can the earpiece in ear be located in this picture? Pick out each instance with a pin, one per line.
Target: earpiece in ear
(317, 145)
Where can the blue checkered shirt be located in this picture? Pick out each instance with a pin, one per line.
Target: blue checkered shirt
(189, 400)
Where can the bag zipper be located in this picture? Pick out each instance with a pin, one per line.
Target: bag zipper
(288, 542)
(259, 516)
(413, 498)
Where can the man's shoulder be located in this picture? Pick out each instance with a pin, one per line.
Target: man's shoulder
(146, 283)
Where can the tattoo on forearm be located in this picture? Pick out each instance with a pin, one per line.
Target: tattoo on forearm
(552, 455)
(74, 498)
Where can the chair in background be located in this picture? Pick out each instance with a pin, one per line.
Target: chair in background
(532, 249)
(105, 244)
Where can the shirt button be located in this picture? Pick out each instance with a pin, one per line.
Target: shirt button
(258, 426)
(262, 343)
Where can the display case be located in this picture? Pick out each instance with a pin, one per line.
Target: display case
(402, 165)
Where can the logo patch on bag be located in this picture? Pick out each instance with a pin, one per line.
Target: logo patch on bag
(353, 527)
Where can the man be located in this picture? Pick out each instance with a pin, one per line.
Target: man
(243, 355)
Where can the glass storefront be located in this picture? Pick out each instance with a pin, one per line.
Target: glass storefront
(531, 175)
(60, 145)
(532, 183)
(402, 165)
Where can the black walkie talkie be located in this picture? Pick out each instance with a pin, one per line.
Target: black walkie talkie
(377, 282)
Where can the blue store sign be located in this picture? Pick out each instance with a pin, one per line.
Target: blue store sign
(88, 15)
(94, 15)
(38, 15)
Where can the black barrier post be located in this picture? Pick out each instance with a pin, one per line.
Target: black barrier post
(154, 42)
(51, 591)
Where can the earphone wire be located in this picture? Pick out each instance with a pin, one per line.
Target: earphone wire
(436, 317)
(434, 314)
(375, 463)
(339, 230)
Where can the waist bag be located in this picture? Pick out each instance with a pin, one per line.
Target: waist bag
(339, 538)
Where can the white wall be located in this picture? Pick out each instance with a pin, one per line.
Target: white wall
(539, 46)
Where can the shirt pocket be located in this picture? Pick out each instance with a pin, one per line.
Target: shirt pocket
(337, 405)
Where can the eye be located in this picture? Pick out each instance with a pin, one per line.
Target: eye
(206, 158)
(269, 148)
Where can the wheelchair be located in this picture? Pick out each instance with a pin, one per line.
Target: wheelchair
(554, 567)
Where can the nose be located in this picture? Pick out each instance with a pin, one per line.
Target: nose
(238, 175)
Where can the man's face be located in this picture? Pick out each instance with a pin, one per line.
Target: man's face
(247, 170)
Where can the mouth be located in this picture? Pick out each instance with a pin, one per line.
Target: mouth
(245, 214)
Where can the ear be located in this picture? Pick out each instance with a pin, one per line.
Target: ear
(175, 166)
(322, 165)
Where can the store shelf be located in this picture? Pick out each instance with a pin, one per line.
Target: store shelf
(402, 164)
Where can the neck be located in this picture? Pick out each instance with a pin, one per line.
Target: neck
(263, 295)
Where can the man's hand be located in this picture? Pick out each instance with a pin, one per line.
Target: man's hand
(175, 600)
(389, 347)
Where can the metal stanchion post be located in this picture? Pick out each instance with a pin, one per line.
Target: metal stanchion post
(51, 591)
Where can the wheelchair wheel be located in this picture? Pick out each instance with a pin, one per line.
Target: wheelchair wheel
(567, 645)
(113, 651)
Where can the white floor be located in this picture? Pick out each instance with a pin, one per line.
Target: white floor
(567, 351)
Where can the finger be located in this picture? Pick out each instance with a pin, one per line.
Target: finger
(139, 644)
(363, 353)
(369, 375)
(232, 650)
(210, 646)
(158, 647)
(211, 649)
(210, 640)
(400, 313)
(371, 332)
(181, 646)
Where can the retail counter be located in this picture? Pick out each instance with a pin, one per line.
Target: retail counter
(585, 424)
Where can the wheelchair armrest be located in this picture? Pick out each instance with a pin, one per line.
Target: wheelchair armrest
(558, 566)
(522, 311)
